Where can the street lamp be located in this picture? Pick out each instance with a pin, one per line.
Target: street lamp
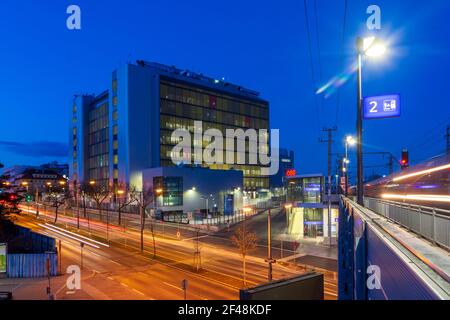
(349, 141)
(370, 47)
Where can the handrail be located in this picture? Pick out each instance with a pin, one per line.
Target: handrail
(441, 239)
(414, 206)
(443, 274)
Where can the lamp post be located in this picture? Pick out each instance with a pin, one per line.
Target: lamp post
(349, 141)
(372, 48)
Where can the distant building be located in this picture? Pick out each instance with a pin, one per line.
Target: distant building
(194, 191)
(126, 129)
(307, 212)
(286, 161)
(61, 168)
(36, 176)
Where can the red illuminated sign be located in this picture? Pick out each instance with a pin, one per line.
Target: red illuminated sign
(290, 173)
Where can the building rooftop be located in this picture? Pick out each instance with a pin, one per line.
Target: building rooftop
(190, 75)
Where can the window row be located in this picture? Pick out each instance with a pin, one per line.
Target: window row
(202, 114)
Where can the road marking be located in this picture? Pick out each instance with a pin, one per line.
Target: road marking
(110, 278)
(171, 285)
(330, 293)
(124, 284)
(137, 291)
(194, 238)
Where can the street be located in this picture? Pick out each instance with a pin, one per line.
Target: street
(121, 271)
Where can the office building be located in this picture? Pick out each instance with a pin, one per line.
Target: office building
(118, 133)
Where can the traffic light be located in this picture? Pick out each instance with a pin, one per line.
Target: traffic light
(404, 162)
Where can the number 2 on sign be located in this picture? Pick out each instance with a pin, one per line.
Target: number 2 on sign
(374, 105)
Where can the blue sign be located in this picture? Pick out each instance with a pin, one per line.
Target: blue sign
(381, 107)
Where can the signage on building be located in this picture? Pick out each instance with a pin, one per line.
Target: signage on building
(290, 173)
(377, 107)
(2, 257)
(228, 204)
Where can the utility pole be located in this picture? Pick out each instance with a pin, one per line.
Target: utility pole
(269, 259)
(391, 164)
(330, 143)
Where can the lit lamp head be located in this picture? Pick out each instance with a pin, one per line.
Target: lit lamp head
(120, 192)
(350, 140)
(92, 182)
(158, 191)
(373, 47)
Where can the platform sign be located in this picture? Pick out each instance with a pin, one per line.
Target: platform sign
(2, 257)
(378, 107)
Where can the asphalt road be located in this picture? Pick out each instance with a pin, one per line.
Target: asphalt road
(122, 267)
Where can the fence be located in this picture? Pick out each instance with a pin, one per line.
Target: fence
(31, 265)
(362, 246)
(430, 223)
(39, 243)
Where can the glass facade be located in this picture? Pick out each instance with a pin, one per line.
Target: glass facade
(172, 191)
(313, 222)
(98, 143)
(181, 105)
(305, 189)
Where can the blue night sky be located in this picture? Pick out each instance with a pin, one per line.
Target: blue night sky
(262, 45)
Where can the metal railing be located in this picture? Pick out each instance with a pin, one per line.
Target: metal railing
(430, 223)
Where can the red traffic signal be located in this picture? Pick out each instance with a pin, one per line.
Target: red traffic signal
(404, 162)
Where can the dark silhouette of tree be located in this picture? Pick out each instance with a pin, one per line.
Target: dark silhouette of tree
(123, 198)
(144, 199)
(58, 195)
(99, 193)
(245, 241)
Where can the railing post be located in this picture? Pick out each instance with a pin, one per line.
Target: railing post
(434, 227)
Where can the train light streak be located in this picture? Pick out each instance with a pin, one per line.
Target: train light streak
(422, 172)
(421, 197)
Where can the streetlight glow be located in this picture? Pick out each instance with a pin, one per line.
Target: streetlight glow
(350, 140)
(373, 47)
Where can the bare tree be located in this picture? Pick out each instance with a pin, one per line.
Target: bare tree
(143, 199)
(124, 199)
(245, 241)
(99, 193)
(58, 196)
